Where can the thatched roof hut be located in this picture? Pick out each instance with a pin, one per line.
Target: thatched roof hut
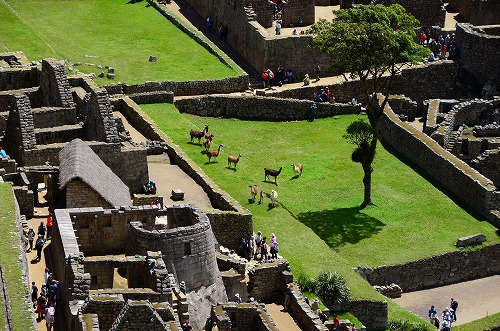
(88, 181)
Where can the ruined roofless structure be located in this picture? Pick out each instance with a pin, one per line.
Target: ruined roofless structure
(87, 180)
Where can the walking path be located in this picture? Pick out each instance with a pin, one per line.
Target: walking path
(282, 319)
(476, 299)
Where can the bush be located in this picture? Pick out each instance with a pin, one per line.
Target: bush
(401, 325)
(331, 287)
(306, 284)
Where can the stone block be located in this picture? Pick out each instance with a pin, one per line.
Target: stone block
(471, 240)
(152, 58)
(110, 76)
(177, 194)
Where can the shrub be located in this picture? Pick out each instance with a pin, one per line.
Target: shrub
(331, 287)
(306, 284)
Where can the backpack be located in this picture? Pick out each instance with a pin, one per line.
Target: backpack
(454, 305)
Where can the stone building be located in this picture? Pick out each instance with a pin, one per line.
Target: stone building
(87, 181)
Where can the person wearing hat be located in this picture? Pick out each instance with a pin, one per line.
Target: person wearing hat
(182, 287)
(237, 298)
(186, 326)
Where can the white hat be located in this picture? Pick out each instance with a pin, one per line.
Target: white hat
(252, 299)
(237, 295)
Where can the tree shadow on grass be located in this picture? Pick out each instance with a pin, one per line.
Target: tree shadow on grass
(342, 226)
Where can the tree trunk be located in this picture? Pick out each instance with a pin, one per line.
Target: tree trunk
(367, 182)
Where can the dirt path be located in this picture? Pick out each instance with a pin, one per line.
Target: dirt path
(282, 319)
(476, 299)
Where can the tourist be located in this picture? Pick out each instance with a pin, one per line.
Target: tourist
(34, 294)
(435, 319)
(432, 310)
(263, 249)
(273, 243)
(324, 96)
(271, 77)
(186, 326)
(306, 80)
(41, 230)
(422, 37)
(243, 248)
(40, 306)
(322, 316)
(454, 307)
(278, 28)
(258, 240)
(317, 71)
(182, 287)
(150, 187)
(31, 238)
(329, 94)
(215, 327)
(39, 246)
(49, 316)
(281, 75)
(209, 324)
(3, 154)
(294, 32)
(48, 225)
(250, 248)
(44, 290)
(336, 323)
(446, 325)
(288, 297)
(237, 298)
(289, 76)
(209, 23)
(265, 78)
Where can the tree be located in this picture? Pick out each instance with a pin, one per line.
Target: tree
(368, 42)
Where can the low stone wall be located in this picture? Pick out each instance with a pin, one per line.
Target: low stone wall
(373, 314)
(24, 197)
(50, 117)
(446, 269)
(303, 314)
(153, 97)
(434, 80)
(19, 78)
(268, 281)
(230, 226)
(260, 108)
(243, 317)
(466, 183)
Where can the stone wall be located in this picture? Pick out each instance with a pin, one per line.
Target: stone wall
(19, 78)
(298, 13)
(466, 183)
(189, 251)
(429, 12)
(478, 12)
(479, 55)
(107, 308)
(434, 80)
(373, 314)
(24, 197)
(303, 314)
(81, 195)
(445, 269)
(20, 128)
(260, 108)
(99, 122)
(54, 84)
(229, 226)
(104, 232)
(243, 317)
(488, 164)
(268, 281)
(48, 117)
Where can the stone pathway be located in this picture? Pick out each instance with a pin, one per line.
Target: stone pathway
(476, 299)
(282, 319)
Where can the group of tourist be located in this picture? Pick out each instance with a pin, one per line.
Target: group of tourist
(211, 325)
(324, 95)
(282, 76)
(258, 248)
(44, 233)
(448, 315)
(45, 300)
(150, 187)
(442, 47)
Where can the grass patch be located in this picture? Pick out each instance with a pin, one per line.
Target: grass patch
(484, 324)
(114, 33)
(10, 257)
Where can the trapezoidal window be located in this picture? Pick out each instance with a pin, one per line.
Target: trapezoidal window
(187, 248)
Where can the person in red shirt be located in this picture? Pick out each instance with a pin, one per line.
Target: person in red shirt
(336, 323)
(48, 224)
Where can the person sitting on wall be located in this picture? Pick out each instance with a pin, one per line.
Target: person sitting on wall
(150, 187)
(306, 80)
(3, 154)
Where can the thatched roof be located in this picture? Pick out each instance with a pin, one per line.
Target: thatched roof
(78, 160)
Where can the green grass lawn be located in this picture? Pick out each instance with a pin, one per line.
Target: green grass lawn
(412, 219)
(486, 323)
(113, 33)
(9, 257)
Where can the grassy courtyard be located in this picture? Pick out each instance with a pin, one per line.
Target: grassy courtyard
(412, 220)
(114, 33)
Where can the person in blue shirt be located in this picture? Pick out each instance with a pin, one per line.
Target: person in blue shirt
(2, 153)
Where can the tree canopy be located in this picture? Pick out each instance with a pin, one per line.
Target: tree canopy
(367, 42)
